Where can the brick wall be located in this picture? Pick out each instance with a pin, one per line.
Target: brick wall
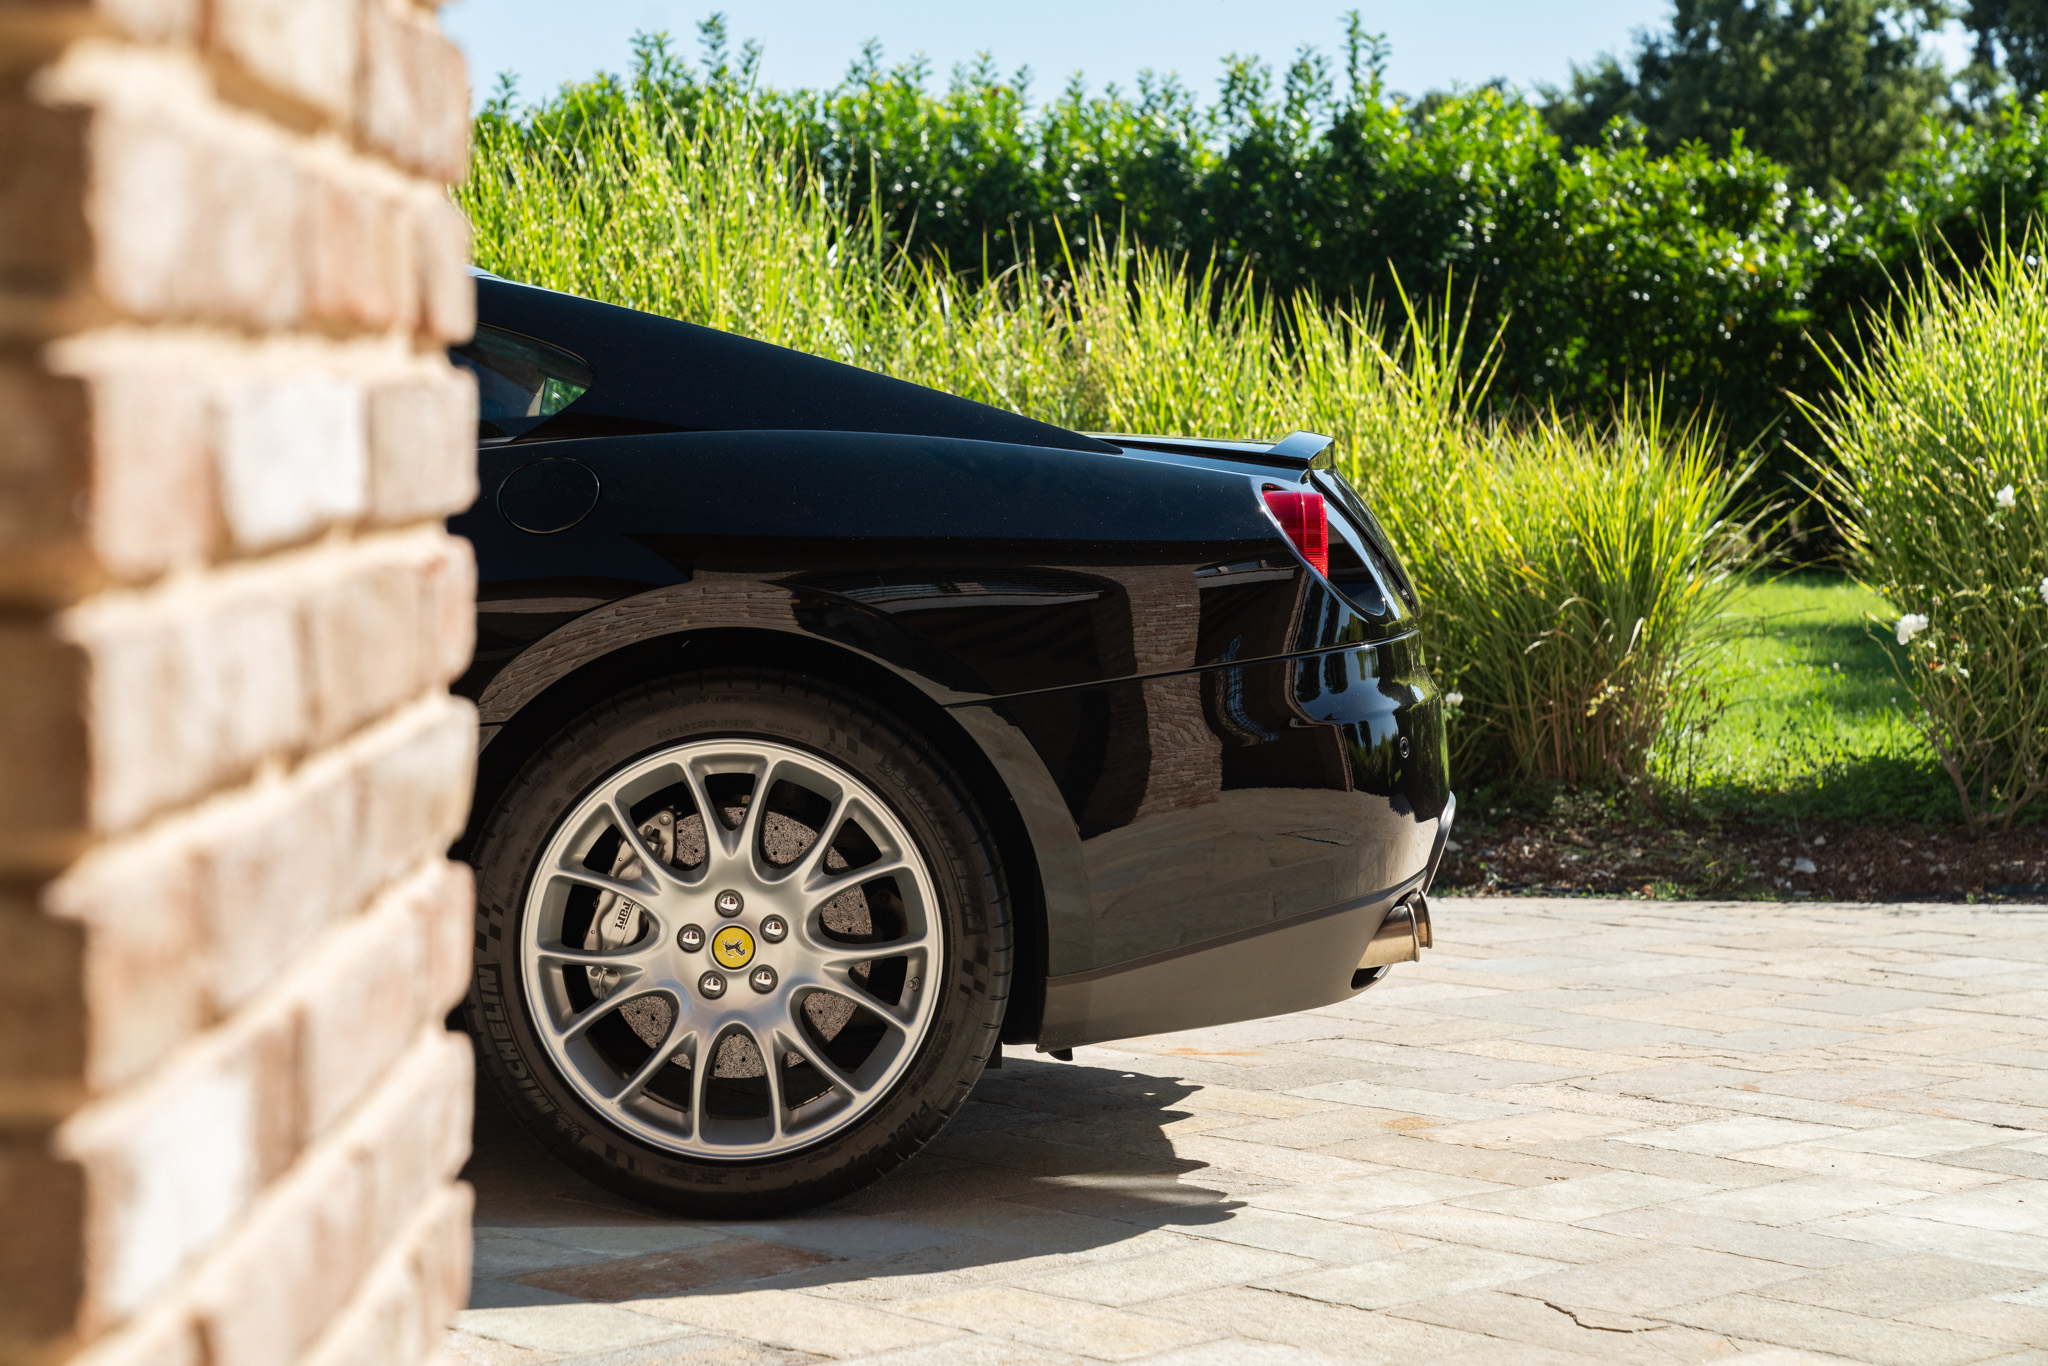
(230, 1115)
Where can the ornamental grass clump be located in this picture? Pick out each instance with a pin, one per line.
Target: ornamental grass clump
(1939, 480)
(1579, 585)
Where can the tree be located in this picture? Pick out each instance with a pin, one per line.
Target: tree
(2012, 35)
(1834, 89)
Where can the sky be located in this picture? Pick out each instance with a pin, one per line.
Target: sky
(1437, 44)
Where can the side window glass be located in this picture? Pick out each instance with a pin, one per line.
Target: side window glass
(520, 382)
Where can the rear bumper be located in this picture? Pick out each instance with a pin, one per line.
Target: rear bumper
(1305, 961)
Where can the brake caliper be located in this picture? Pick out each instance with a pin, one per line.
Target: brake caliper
(618, 920)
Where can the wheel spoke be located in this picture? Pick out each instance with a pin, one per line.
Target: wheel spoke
(771, 1071)
(800, 1044)
(841, 982)
(813, 862)
(702, 1060)
(639, 893)
(633, 956)
(654, 870)
(841, 957)
(671, 1042)
(817, 894)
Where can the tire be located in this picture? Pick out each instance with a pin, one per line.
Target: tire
(592, 1004)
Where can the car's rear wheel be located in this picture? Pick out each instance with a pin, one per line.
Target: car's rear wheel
(742, 944)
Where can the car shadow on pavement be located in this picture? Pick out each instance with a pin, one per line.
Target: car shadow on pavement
(1048, 1164)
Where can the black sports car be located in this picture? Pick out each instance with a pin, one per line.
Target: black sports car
(835, 729)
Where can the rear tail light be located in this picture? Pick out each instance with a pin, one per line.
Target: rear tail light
(1307, 523)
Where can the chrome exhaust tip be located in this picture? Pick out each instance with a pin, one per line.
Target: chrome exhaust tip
(1402, 936)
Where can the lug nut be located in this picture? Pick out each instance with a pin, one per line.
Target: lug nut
(690, 938)
(711, 985)
(730, 904)
(762, 979)
(774, 929)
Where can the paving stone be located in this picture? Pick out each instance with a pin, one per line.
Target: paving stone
(1802, 1201)
(1670, 1225)
(565, 1326)
(1885, 1342)
(1647, 1280)
(1587, 1197)
(1895, 1286)
(1046, 1321)
(1422, 1274)
(1133, 1280)
(792, 1319)
(661, 1274)
(1521, 1320)
(1335, 1330)
(1369, 1194)
(1503, 1233)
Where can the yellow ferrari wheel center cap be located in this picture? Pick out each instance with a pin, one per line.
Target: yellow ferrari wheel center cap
(733, 947)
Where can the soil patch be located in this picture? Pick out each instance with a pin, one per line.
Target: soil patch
(1606, 853)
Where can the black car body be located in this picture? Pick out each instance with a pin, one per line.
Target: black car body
(1212, 773)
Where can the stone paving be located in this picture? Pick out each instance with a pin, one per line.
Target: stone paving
(1593, 1131)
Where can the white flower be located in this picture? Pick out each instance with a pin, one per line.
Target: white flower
(2044, 588)
(2004, 497)
(1457, 699)
(1910, 625)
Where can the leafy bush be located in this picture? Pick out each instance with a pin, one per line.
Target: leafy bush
(1569, 572)
(1940, 478)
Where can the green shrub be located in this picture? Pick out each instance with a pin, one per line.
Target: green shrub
(1940, 481)
(1579, 580)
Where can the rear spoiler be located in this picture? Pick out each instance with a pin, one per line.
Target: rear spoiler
(1298, 450)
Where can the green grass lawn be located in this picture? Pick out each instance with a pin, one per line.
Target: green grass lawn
(1807, 717)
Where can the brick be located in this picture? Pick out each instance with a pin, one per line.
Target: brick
(188, 688)
(365, 1004)
(42, 1200)
(169, 1168)
(410, 1296)
(196, 219)
(45, 249)
(422, 434)
(43, 1011)
(44, 748)
(153, 502)
(303, 50)
(44, 483)
(416, 788)
(362, 644)
(446, 292)
(428, 1100)
(446, 907)
(274, 876)
(165, 1337)
(448, 611)
(415, 94)
(294, 457)
(359, 268)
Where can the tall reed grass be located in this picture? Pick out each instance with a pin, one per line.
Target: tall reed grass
(1570, 571)
(1940, 483)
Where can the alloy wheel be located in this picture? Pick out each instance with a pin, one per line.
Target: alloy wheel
(730, 948)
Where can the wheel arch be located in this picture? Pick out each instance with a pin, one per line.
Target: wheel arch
(509, 745)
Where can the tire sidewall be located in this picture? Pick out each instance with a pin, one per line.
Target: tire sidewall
(905, 773)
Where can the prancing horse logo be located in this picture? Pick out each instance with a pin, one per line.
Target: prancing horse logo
(733, 947)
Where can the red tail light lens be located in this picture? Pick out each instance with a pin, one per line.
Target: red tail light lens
(1307, 523)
